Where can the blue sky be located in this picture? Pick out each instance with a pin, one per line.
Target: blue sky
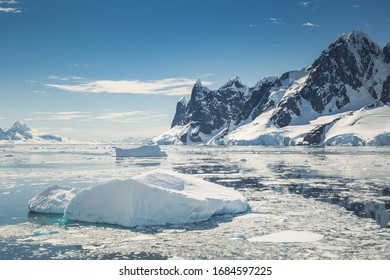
(107, 70)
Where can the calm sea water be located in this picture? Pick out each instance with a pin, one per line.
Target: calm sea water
(355, 179)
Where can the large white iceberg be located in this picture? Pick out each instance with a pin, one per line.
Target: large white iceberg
(143, 151)
(53, 200)
(154, 198)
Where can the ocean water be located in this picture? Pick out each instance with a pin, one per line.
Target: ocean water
(341, 193)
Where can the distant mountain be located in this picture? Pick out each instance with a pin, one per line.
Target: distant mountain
(21, 132)
(300, 107)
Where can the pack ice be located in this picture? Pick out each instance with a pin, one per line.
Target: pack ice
(157, 197)
(143, 151)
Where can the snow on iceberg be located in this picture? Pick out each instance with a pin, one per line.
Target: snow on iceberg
(143, 151)
(154, 198)
(52, 200)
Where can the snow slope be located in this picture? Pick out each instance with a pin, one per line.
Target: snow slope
(367, 126)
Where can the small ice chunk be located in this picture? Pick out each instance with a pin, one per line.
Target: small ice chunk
(142, 237)
(143, 151)
(52, 200)
(288, 236)
(237, 236)
(40, 232)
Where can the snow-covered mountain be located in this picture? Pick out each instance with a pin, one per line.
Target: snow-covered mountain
(21, 132)
(350, 80)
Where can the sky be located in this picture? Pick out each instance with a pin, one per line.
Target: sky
(106, 70)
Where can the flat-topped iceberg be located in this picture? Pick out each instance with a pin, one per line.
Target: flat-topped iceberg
(154, 198)
(52, 200)
(143, 151)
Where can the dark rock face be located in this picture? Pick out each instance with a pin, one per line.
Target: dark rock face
(317, 135)
(257, 103)
(209, 110)
(385, 98)
(347, 62)
(180, 112)
(386, 53)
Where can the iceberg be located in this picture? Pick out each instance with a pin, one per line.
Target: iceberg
(143, 151)
(52, 200)
(158, 197)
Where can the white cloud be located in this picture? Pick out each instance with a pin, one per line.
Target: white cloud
(6, 9)
(61, 116)
(356, 6)
(309, 24)
(69, 78)
(9, 2)
(10, 10)
(305, 4)
(274, 20)
(129, 117)
(252, 25)
(171, 86)
(121, 117)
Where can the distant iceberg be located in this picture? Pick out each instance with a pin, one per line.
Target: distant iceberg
(157, 197)
(143, 151)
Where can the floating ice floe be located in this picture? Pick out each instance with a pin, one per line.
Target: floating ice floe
(288, 236)
(143, 151)
(154, 198)
(52, 200)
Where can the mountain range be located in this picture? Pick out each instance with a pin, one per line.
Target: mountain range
(21, 132)
(343, 98)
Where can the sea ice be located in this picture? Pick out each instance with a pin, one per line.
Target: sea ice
(143, 151)
(53, 200)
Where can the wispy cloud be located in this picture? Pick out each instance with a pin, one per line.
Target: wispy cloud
(171, 86)
(69, 78)
(9, 2)
(10, 10)
(4, 8)
(305, 4)
(121, 117)
(252, 25)
(309, 24)
(356, 6)
(274, 20)
(61, 116)
(129, 117)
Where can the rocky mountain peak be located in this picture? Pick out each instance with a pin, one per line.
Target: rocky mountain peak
(180, 111)
(19, 130)
(386, 53)
(234, 82)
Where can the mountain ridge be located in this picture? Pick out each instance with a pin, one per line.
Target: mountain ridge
(349, 75)
(21, 132)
